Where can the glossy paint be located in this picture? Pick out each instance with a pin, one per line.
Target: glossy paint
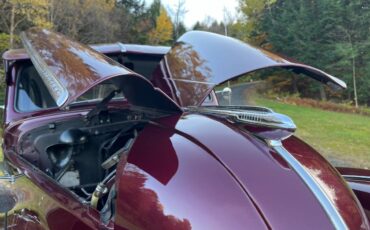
(329, 179)
(69, 69)
(200, 60)
(110, 48)
(169, 186)
(174, 186)
(43, 204)
(359, 181)
(191, 175)
(184, 171)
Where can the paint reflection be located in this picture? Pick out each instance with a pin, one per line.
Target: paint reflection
(328, 179)
(190, 73)
(138, 206)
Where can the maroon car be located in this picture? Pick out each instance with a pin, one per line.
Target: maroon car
(123, 136)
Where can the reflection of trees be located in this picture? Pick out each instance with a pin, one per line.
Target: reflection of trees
(190, 73)
(142, 208)
(71, 63)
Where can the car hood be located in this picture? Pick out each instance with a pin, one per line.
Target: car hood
(69, 69)
(200, 60)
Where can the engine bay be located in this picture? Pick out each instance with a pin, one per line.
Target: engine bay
(82, 154)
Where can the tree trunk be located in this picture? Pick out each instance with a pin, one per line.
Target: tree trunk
(354, 81)
(12, 27)
(322, 93)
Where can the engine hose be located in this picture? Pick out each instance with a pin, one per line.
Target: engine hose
(100, 190)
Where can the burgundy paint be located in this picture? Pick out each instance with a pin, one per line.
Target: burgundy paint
(344, 200)
(175, 184)
(78, 68)
(200, 60)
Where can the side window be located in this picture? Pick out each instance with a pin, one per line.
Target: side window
(31, 92)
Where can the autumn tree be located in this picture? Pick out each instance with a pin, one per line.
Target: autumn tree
(15, 12)
(178, 16)
(134, 21)
(89, 21)
(162, 33)
(252, 13)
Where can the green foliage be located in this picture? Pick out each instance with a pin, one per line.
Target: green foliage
(163, 31)
(4, 42)
(332, 35)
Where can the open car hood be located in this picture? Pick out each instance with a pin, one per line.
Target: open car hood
(69, 69)
(200, 60)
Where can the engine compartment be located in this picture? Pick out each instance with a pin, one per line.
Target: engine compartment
(81, 154)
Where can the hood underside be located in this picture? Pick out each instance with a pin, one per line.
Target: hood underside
(69, 69)
(200, 60)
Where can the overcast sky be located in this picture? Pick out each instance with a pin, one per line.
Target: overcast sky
(198, 10)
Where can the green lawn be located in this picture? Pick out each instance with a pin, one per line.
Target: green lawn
(343, 138)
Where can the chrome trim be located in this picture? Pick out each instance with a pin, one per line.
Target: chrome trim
(311, 183)
(254, 115)
(122, 47)
(56, 89)
(11, 178)
(357, 177)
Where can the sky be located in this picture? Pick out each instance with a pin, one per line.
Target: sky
(198, 10)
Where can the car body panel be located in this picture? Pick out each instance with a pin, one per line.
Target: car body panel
(109, 48)
(267, 181)
(330, 180)
(69, 69)
(200, 60)
(185, 170)
(359, 181)
(41, 202)
(168, 187)
(265, 178)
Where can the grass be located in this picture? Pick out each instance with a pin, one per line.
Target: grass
(344, 139)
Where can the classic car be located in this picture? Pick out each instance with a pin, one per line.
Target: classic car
(121, 136)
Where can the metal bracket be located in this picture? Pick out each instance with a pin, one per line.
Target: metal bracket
(11, 178)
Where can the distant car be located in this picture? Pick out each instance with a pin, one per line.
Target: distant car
(122, 136)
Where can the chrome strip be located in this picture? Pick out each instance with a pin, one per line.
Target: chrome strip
(259, 116)
(356, 177)
(122, 47)
(56, 89)
(311, 183)
(196, 82)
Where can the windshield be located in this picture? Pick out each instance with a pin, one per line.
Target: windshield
(321, 117)
(33, 95)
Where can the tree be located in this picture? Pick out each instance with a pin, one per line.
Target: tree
(133, 21)
(352, 36)
(89, 21)
(15, 12)
(162, 33)
(178, 17)
(252, 11)
(211, 25)
(330, 34)
(4, 42)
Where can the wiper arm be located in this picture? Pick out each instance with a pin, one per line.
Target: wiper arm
(102, 106)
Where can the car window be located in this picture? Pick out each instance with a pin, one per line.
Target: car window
(32, 94)
(142, 64)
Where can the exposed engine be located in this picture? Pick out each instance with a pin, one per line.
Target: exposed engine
(81, 154)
